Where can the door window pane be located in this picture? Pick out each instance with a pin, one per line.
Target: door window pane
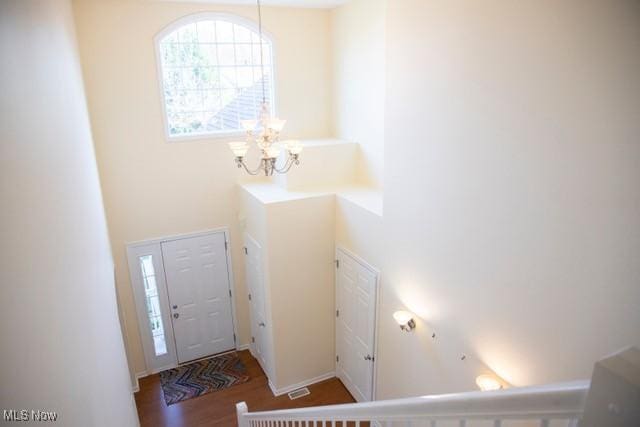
(153, 304)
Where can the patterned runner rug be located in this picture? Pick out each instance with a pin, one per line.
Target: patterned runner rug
(202, 377)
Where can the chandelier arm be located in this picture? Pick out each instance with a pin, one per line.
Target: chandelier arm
(285, 167)
(256, 171)
(292, 160)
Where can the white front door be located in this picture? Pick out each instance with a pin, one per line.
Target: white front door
(255, 287)
(199, 295)
(356, 287)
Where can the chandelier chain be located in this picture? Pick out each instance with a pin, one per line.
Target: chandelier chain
(264, 97)
(267, 137)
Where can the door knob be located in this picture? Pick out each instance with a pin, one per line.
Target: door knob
(367, 357)
(175, 306)
(176, 315)
(261, 324)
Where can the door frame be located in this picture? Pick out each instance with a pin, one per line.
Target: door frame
(132, 249)
(374, 270)
(267, 345)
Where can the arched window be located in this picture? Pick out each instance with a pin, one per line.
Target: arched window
(211, 77)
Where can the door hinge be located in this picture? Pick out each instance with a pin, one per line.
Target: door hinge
(337, 313)
(226, 245)
(229, 293)
(245, 251)
(337, 358)
(337, 263)
(234, 337)
(253, 339)
(249, 297)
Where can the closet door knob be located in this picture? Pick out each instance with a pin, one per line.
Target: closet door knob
(176, 315)
(261, 324)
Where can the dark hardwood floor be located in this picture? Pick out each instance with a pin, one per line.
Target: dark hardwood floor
(218, 408)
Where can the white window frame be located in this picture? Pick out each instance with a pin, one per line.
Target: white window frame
(208, 16)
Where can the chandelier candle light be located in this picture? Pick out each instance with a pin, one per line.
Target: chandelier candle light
(265, 132)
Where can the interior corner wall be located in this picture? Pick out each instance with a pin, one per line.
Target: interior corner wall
(62, 348)
(153, 188)
(302, 288)
(360, 232)
(512, 202)
(358, 40)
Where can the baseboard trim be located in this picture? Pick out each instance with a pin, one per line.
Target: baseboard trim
(137, 376)
(289, 388)
(242, 347)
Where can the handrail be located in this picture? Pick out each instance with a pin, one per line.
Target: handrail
(555, 401)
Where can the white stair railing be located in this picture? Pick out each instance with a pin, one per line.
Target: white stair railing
(541, 405)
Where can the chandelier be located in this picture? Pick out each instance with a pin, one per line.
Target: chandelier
(265, 133)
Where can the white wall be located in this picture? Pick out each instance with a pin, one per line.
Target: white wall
(358, 33)
(298, 279)
(359, 231)
(62, 349)
(512, 199)
(301, 283)
(153, 188)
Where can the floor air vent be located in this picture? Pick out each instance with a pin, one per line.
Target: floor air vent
(295, 394)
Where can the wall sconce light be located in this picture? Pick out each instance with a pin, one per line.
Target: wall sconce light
(405, 320)
(488, 382)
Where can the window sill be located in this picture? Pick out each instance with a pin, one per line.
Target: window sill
(218, 137)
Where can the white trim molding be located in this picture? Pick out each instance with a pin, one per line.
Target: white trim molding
(137, 376)
(310, 381)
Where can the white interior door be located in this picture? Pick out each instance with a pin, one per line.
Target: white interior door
(255, 287)
(356, 288)
(199, 295)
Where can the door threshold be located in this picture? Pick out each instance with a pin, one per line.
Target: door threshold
(211, 356)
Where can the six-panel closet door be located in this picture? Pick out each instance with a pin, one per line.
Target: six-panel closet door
(356, 294)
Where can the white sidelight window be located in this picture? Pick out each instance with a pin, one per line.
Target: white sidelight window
(152, 299)
(211, 76)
